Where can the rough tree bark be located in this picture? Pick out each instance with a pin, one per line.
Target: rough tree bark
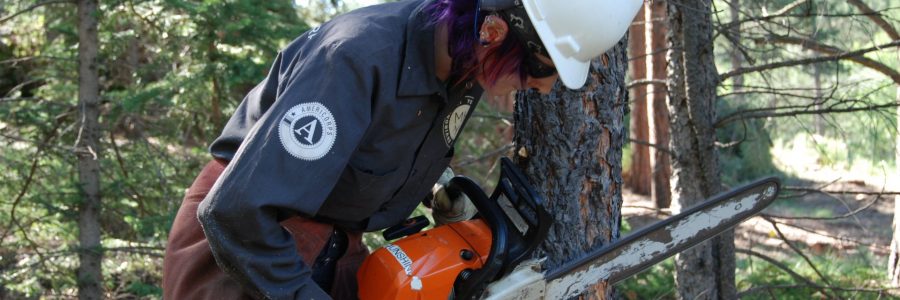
(570, 145)
(90, 253)
(707, 270)
(639, 179)
(660, 161)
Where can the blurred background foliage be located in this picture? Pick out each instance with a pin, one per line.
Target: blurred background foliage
(173, 71)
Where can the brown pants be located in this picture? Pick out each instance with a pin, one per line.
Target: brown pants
(190, 271)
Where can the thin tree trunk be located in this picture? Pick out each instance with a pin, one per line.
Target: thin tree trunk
(216, 105)
(570, 145)
(640, 178)
(819, 119)
(894, 34)
(737, 59)
(893, 259)
(660, 161)
(707, 270)
(90, 254)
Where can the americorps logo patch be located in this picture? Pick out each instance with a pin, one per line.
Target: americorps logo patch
(454, 121)
(308, 131)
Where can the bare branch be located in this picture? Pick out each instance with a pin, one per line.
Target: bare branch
(876, 18)
(831, 50)
(491, 154)
(32, 7)
(658, 147)
(807, 61)
(846, 215)
(638, 82)
(813, 190)
(148, 251)
(787, 8)
(768, 288)
(758, 115)
(780, 13)
(500, 117)
(841, 239)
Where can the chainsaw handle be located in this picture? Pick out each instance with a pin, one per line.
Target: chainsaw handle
(469, 283)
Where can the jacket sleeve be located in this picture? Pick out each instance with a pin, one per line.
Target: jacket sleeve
(289, 162)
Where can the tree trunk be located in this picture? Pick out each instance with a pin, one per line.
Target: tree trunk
(894, 258)
(707, 270)
(819, 122)
(894, 34)
(660, 161)
(90, 254)
(737, 59)
(640, 177)
(570, 145)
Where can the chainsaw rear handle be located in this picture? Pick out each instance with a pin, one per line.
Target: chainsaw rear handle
(470, 283)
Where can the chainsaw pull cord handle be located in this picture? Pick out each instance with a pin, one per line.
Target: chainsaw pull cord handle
(470, 283)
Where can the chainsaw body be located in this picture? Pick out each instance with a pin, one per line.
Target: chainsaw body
(457, 260)
(422, 265)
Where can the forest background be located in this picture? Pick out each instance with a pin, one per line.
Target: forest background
(808, 92)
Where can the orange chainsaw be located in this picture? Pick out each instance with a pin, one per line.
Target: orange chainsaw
(490, 256)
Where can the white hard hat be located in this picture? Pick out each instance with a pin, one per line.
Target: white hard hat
(575, 31)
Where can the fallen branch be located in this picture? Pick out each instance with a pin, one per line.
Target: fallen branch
(797, 250)
(784, 268)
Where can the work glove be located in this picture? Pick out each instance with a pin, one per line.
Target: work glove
(448, 206)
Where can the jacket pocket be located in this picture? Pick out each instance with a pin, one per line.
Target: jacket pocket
(360, 193)
(400, 207)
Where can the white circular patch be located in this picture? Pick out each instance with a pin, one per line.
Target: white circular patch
(453, 123)
(308, 131)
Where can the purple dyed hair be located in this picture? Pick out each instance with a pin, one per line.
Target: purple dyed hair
(506, 59)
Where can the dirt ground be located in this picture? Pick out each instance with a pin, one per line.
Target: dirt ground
(867, 224)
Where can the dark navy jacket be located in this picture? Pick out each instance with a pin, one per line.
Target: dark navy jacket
(350, 127)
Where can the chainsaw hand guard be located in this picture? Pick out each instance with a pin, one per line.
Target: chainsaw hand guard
(518, 222)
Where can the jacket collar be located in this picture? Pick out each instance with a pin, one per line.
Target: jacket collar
(417, 76)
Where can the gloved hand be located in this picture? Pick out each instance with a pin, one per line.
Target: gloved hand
(449, 206)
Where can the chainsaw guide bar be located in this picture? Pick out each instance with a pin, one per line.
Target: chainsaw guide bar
(639, 250)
